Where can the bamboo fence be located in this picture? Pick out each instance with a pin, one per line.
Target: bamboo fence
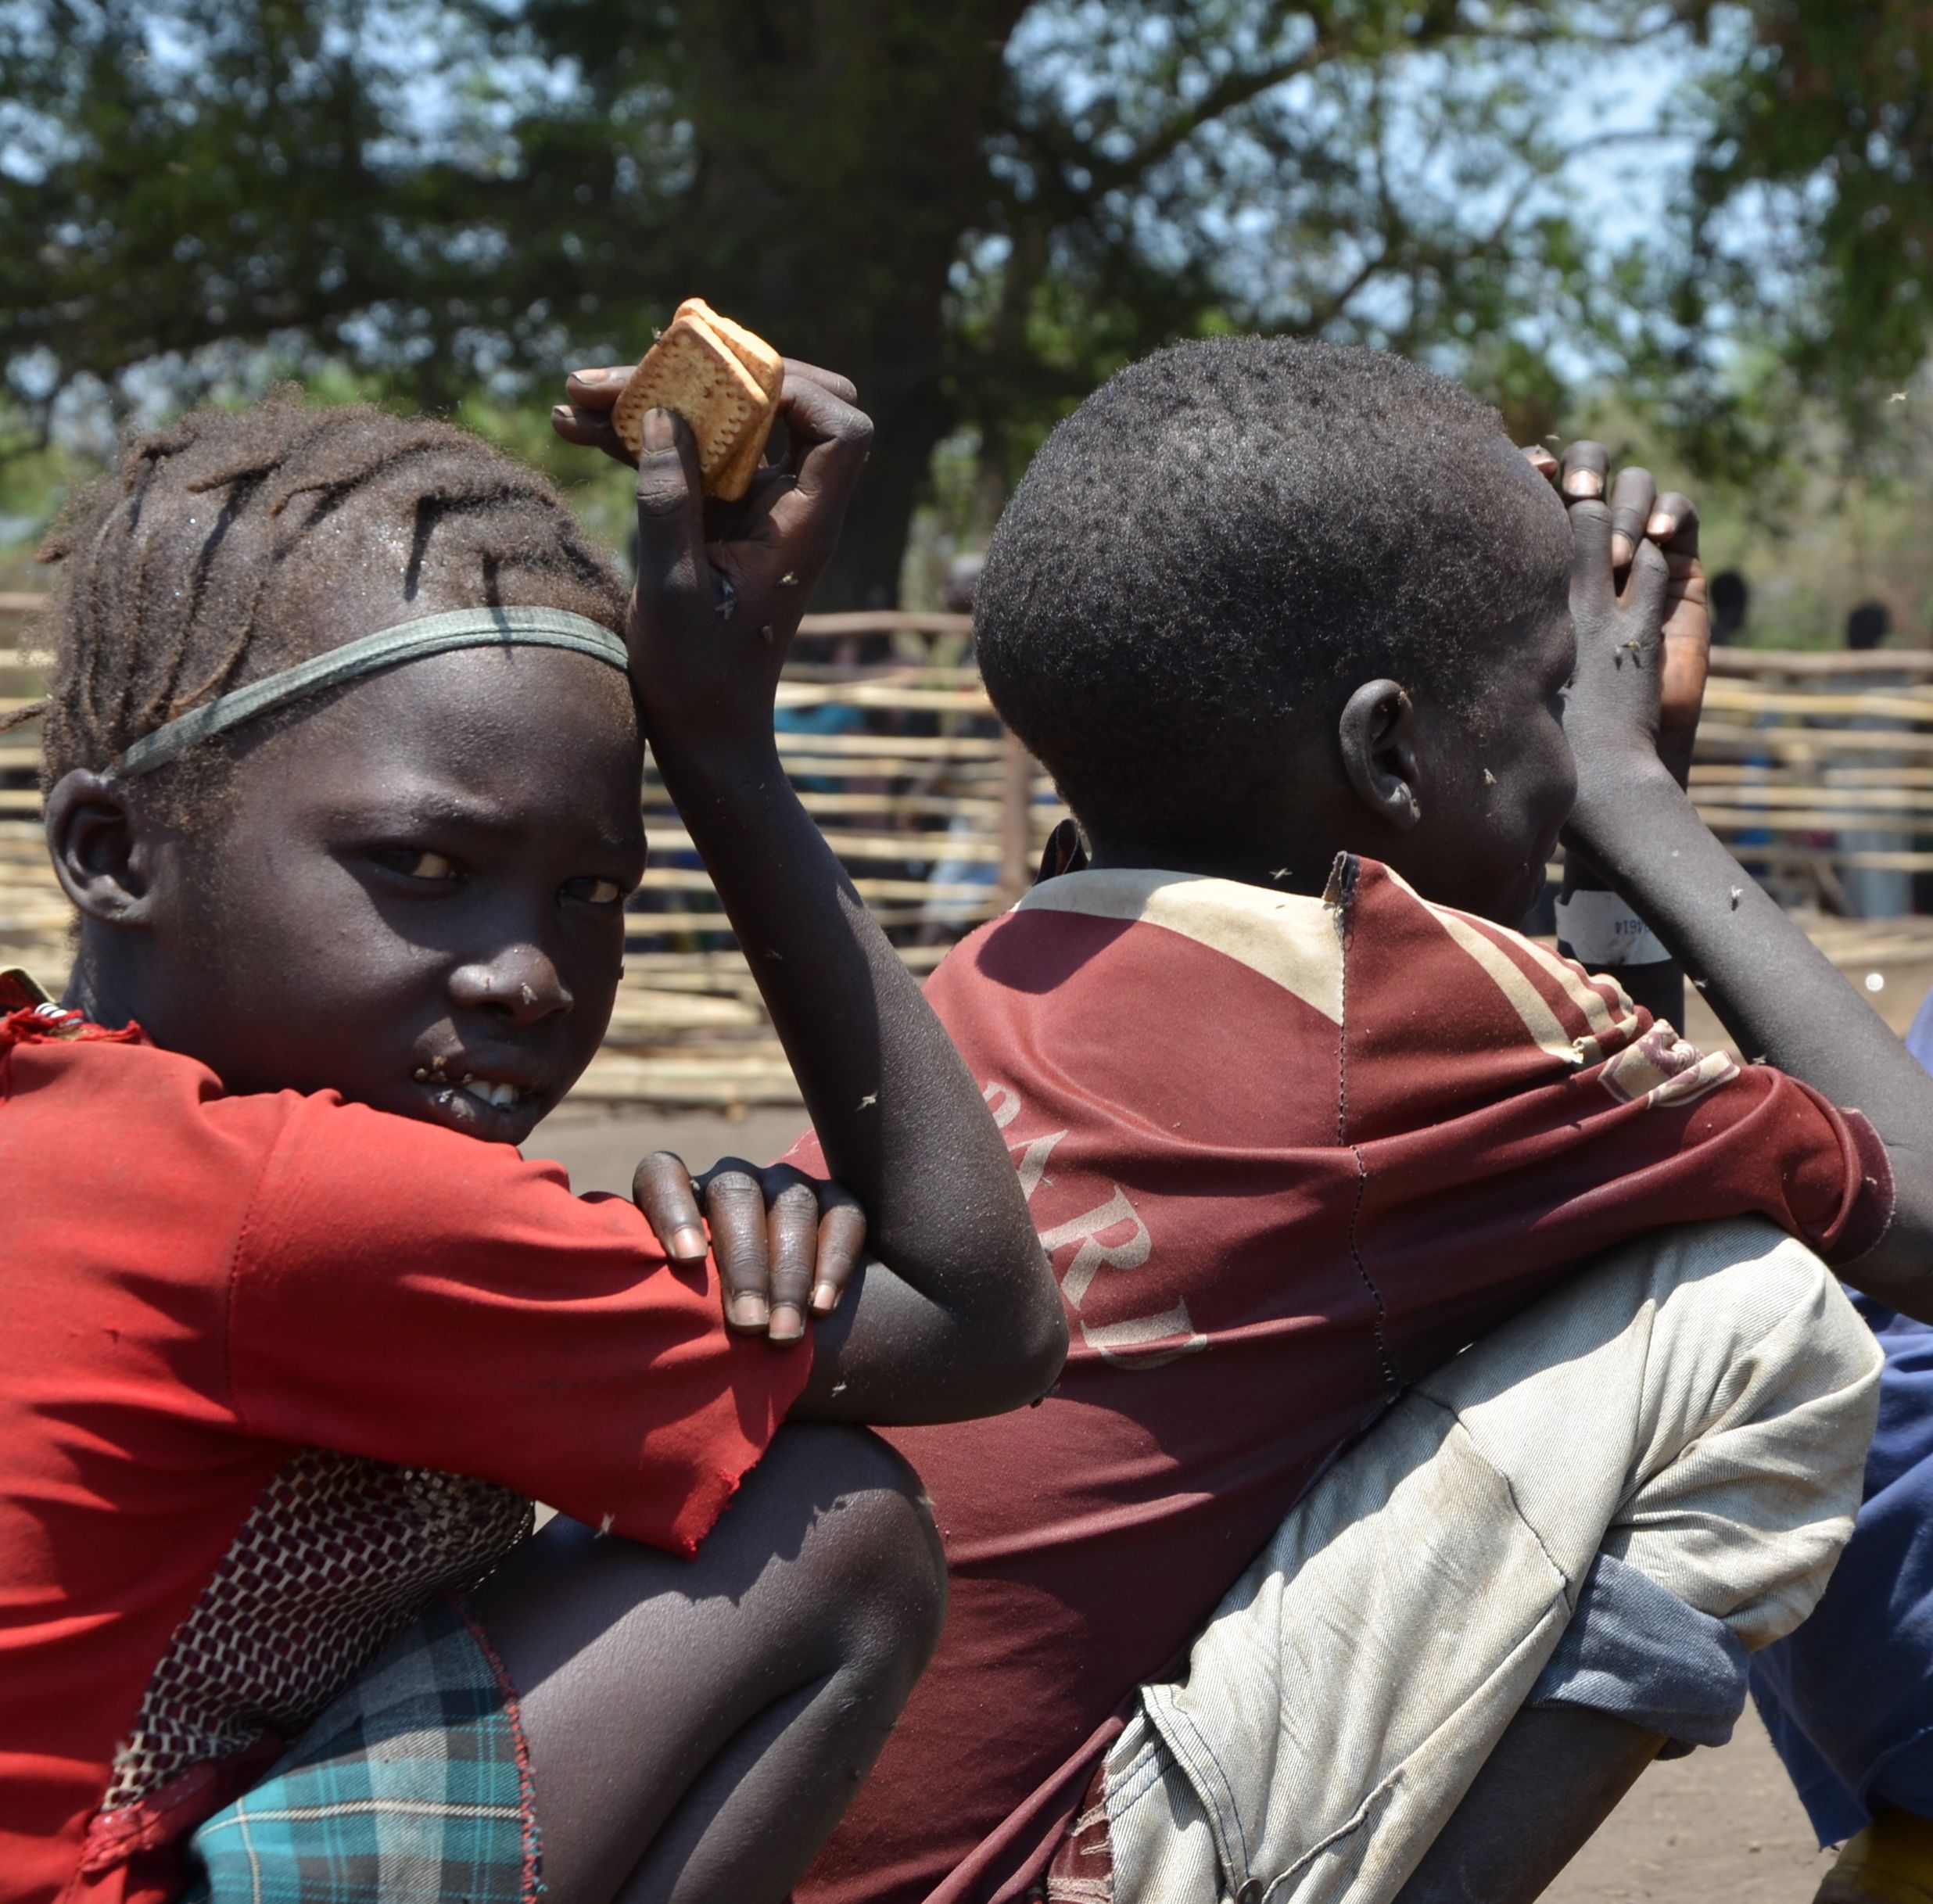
(1812, 766)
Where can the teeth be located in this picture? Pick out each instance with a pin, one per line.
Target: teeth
(497, 1096)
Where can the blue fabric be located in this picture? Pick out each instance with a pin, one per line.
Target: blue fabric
(1920, 1033)
(829, 717)
(410, 1787)
(1849, 1697)
(1634, 1649)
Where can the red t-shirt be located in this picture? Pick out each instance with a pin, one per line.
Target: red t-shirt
(200, 1292)
(1286, 1153)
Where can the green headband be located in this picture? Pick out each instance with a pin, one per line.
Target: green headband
(433, 634)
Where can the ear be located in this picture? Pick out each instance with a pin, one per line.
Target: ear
(1377, 734)
(1066, 852)
(100, 853)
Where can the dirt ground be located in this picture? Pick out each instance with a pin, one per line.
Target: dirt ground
(601, 1148)
(1718, 1827)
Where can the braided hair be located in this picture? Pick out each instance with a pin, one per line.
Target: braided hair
(235, 543)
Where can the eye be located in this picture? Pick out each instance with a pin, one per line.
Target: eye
(413, 863)
(595, 891)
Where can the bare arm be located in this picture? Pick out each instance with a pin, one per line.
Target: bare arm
(966, 1320)
(1638, 514)
(1777, 993)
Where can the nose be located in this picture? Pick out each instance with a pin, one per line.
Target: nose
(520, 983)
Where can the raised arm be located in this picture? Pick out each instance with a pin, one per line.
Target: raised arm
(1777, 995)
(959, 1316)
(1593, 920)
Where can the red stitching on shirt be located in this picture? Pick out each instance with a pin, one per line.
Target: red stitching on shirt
(1342, 892)
(526, 1787)
(235, 1276)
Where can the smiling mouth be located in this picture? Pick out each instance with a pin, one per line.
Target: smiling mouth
(497, 1093)
(498, 1096)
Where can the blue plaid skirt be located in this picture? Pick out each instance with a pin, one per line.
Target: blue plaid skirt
(413, 1788)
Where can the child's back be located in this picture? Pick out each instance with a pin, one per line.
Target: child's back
(1293, 1137)
(1288, 1155)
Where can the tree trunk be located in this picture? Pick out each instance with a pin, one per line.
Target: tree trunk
(839, 166)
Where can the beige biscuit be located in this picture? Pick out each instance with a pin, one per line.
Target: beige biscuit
(766, 366)
(735, 474)
(692, 370)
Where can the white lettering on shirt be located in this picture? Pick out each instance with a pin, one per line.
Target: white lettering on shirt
(1128, 1344)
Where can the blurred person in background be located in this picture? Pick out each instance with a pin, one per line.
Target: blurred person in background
(1730, 598)
(945, 916)
(1873, 891)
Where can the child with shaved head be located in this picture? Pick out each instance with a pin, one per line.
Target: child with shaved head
(1458, 1394)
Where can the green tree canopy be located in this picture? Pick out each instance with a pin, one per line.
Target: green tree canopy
(1808, 216)
(975, 210)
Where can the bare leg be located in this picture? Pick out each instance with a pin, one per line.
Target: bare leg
(696, 1728)
(1557, 1774)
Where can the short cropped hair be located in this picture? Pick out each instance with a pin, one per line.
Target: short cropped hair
(1224, 541)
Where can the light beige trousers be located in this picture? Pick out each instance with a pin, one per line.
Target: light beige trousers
(1698, 1404)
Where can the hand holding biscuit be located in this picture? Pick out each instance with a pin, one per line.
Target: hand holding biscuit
(721, 585)
(723, 380)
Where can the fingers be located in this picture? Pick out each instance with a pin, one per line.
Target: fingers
(1634, 497)
(735, 1202)
(830, 441)
(1541, 461)
(1582, 471)
(1674, 524)
(1688, 636)
(792, 1247)
(591, 430)
(590, 390)
(584, 418)
(842, 1239)
(815, 1235)
(1592, 586)
(674, 580)
(663, 1189)
(1644, 597)
(841, 387)
(785, 1242)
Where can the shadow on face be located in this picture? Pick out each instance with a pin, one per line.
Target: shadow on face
(413, 896)
(1494, 777)
(1464, 775)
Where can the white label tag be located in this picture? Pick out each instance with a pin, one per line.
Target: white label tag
(1602, 932)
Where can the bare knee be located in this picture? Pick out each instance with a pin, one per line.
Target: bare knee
(870, 1559)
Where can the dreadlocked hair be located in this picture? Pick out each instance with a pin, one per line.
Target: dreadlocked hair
(235, 543)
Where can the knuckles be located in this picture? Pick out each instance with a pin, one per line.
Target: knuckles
(852, 428)
(796, 1200)
(659, 498)
(734, 1192)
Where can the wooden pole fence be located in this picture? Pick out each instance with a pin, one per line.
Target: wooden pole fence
(1817, 768)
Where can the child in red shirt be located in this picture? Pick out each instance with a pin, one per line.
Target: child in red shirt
(342, 757)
